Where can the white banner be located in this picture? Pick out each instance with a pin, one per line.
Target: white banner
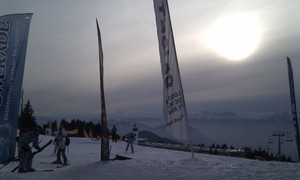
(173, 99)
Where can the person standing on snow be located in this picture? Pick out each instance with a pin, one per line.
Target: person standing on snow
(24, 150)
(60, 141)
(114, 134)
(130, 138)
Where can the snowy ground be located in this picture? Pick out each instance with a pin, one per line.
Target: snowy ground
(149, 163)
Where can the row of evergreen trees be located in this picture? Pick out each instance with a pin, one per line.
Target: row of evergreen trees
(27, 121)
(258, 154)
(265, 155)
(82, 127)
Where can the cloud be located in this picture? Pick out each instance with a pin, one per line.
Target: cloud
(62, 68)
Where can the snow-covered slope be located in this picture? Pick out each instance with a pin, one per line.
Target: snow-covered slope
(148, 163)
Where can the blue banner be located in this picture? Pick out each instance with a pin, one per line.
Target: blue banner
(14, 30)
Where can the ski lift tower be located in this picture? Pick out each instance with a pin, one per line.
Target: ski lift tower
(279, 135)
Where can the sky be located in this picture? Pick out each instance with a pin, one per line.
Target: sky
(152, 163)
(62, 70)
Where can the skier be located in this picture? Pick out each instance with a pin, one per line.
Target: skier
(130, 138)
(60, 141)
(24, 150)
(114, 133)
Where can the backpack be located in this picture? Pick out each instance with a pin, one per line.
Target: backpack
(67, 143)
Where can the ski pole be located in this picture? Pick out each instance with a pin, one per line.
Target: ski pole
(7, 162)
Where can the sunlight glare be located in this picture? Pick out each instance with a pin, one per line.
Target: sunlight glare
(235, 36)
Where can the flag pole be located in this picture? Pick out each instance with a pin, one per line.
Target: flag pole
(293, 104)
(104, 130)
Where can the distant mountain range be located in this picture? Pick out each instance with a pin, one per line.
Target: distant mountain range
(151, 137)
(125, 126)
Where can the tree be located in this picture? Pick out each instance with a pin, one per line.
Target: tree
(224, 146)
(27, 118)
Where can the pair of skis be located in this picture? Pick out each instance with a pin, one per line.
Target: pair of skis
(58, 166)
(46, 170)
(15, 159)
(6, 163)
(34, 153)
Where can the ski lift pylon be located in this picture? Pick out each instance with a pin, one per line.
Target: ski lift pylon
(270, 141)
(288, 138)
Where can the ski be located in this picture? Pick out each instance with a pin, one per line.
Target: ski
(45, 170)
(60, 166)
(34, 153)
(49, 163)
(6, 163)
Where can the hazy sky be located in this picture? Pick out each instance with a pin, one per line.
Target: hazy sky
(62, 69)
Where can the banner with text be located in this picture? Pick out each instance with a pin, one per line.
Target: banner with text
(14, 29)
(173, 98)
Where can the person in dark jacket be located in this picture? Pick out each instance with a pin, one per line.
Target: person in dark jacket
(114, 133)
(130, 138)
(24, 150)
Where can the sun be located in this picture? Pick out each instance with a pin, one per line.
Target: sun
(235, 36)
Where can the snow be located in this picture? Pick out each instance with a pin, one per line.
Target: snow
(149, 164)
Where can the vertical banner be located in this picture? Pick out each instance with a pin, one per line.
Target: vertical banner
(293, 103)
(104, 129)
(173, 99)
(14, 29)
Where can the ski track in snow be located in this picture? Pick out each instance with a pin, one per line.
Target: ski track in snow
(149, 164)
